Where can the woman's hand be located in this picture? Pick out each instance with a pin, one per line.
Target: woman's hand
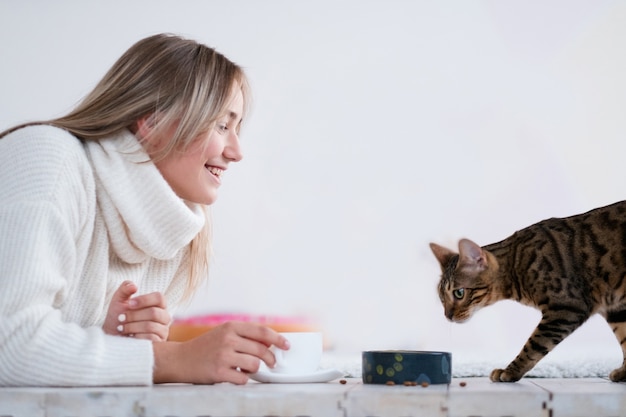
(142, 317)
(227, 353)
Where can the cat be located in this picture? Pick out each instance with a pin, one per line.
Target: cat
(568, 268)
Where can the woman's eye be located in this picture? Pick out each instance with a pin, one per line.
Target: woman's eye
(458, 293)
(222, 127)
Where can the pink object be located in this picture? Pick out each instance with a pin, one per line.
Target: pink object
(217, 319)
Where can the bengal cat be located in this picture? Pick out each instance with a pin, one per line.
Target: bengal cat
(568, 268)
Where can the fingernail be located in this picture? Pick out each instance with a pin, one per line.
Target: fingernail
(132, 303)
(287, 344)
(121, 318)
(120, 328)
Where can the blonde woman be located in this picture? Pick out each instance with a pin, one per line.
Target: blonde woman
(104, 229)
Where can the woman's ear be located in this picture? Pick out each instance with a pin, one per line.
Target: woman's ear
(144, 126)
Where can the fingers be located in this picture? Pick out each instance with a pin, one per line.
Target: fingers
(231, 351)
(151, 323)
(253, 341)
(154, 299)
(261, 334)
(124, 292)
(149, 330)
(151, 314)
(119, 303)
(228, 353)
(147, 318)
(264, 337)
(232, 375)
(236, 377)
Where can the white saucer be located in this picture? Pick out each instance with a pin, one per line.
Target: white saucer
(322, 375)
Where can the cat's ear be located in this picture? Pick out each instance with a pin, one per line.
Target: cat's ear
(471, 256)
(442, 254)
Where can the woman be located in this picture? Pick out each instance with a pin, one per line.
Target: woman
(104, 226)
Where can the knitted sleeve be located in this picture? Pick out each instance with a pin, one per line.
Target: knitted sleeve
(46, 204)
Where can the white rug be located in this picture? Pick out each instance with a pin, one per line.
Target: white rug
(585, 365)
(547, 368)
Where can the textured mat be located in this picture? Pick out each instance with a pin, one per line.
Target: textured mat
(580, 365)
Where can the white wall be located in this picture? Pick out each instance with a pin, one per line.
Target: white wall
(378, 126)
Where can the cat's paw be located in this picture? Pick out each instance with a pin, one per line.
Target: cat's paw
(618, 374)
(501, 375)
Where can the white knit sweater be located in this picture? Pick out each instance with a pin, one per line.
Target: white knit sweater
(76, 220)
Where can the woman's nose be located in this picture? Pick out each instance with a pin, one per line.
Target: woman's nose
(232, 150)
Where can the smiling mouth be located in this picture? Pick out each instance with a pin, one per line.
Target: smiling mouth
(215, 171)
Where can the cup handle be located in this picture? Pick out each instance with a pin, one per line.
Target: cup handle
(278, 355)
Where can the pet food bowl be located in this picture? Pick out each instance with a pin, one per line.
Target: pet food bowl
(405, 366)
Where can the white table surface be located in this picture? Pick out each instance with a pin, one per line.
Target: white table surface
(479, 397)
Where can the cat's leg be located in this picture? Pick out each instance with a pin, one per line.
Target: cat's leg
(556, 324)
(617, 321)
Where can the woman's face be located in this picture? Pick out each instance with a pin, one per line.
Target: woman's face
(195, 175)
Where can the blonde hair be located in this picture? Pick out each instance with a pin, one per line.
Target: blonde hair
(178, 79)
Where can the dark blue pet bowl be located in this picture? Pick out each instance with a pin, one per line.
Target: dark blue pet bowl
(405, 366)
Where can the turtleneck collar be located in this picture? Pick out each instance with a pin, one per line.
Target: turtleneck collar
(143, 216)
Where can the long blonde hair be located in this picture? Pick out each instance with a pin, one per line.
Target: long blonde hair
(180, 80)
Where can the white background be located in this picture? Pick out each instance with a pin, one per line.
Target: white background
(377, 127)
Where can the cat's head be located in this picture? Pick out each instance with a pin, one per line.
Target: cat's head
(466, 279)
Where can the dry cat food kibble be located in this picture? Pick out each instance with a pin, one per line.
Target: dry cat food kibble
(425, 384)
(342, 381)
(406, 367)
(390, 383)
(462, 383)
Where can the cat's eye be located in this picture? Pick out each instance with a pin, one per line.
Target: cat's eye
(459, 293)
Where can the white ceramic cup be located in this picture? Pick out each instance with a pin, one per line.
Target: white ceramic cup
(302, 357)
